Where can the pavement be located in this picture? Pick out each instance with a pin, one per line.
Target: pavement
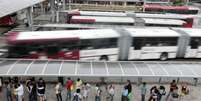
(194, 94)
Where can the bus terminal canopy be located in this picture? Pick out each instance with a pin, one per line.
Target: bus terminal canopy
(56, 68)
(11, 6)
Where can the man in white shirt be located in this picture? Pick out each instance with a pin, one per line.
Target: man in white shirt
(20, 92)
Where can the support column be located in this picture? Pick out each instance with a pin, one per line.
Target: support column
(57, 16)
(144, 5)
(69, 4)
(195, 81)
(178, 79)
(42, 7)
(30, 18)
(64, 4)
(139, 81)
(125, 4)
(187, 2)
(53, 11)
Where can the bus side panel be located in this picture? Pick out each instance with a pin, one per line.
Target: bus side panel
(95, 54)
(153, 52)
(134, 54)
(71, 55)
(193, 53)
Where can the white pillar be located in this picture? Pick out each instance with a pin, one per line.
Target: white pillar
(53, 11)
(30, 17)
(57, 16)
(64, 4)
(144, 5)
(187, 2)
(69, 4)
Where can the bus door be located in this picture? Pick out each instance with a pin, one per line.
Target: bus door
(193, 50)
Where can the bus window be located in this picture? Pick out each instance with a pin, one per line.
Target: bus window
(68, 45)
(168, 41)
(18, 51)
(138, 43)
(154, 41)
(105, 43)
(51, 50)
(85, 44)
(98, 43)
(195, 42)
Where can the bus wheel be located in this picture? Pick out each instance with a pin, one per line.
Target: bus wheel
(164, 56)
(104, 58)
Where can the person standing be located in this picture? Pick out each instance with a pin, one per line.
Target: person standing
(77, 96)
(173, 86)
(34, 90)
(124, 94)
(111, 92)
(98, 93)
(143, 91)
(78, 83)
(69, 87)
(161, 92)
(8, 91)
(15, 97)
(86, 89)
(153, 94)
(0, 84)
(29, 88)
(20, 92)
(41, 89)
(58, 89)
(129, 87)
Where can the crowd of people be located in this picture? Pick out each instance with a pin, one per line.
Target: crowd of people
(79, 91)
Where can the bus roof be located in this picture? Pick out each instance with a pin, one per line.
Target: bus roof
(163, 21)
(152, 32)
(137, 14)
(164, 7)
(99, 13)
(103, 19)
(165, 16)
(55, 35)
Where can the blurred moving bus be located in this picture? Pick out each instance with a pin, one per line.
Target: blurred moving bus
(106, 44)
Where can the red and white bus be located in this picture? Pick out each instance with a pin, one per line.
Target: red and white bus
(190, 20)
(129, 21)
(8, 20)
(171, 9)
(106, 44)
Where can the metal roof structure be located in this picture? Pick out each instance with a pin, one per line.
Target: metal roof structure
(11, 6)
(55, 68)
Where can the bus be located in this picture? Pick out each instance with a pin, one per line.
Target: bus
(106, 44)
(191, 20)
(8, 20)
(171, 9)
(128, 21)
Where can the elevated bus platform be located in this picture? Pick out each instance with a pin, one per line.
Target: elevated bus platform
(29, 67)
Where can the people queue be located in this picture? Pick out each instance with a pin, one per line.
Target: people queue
(80, 91)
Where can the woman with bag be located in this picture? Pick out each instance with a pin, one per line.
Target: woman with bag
(124, 94)
(58, 89)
